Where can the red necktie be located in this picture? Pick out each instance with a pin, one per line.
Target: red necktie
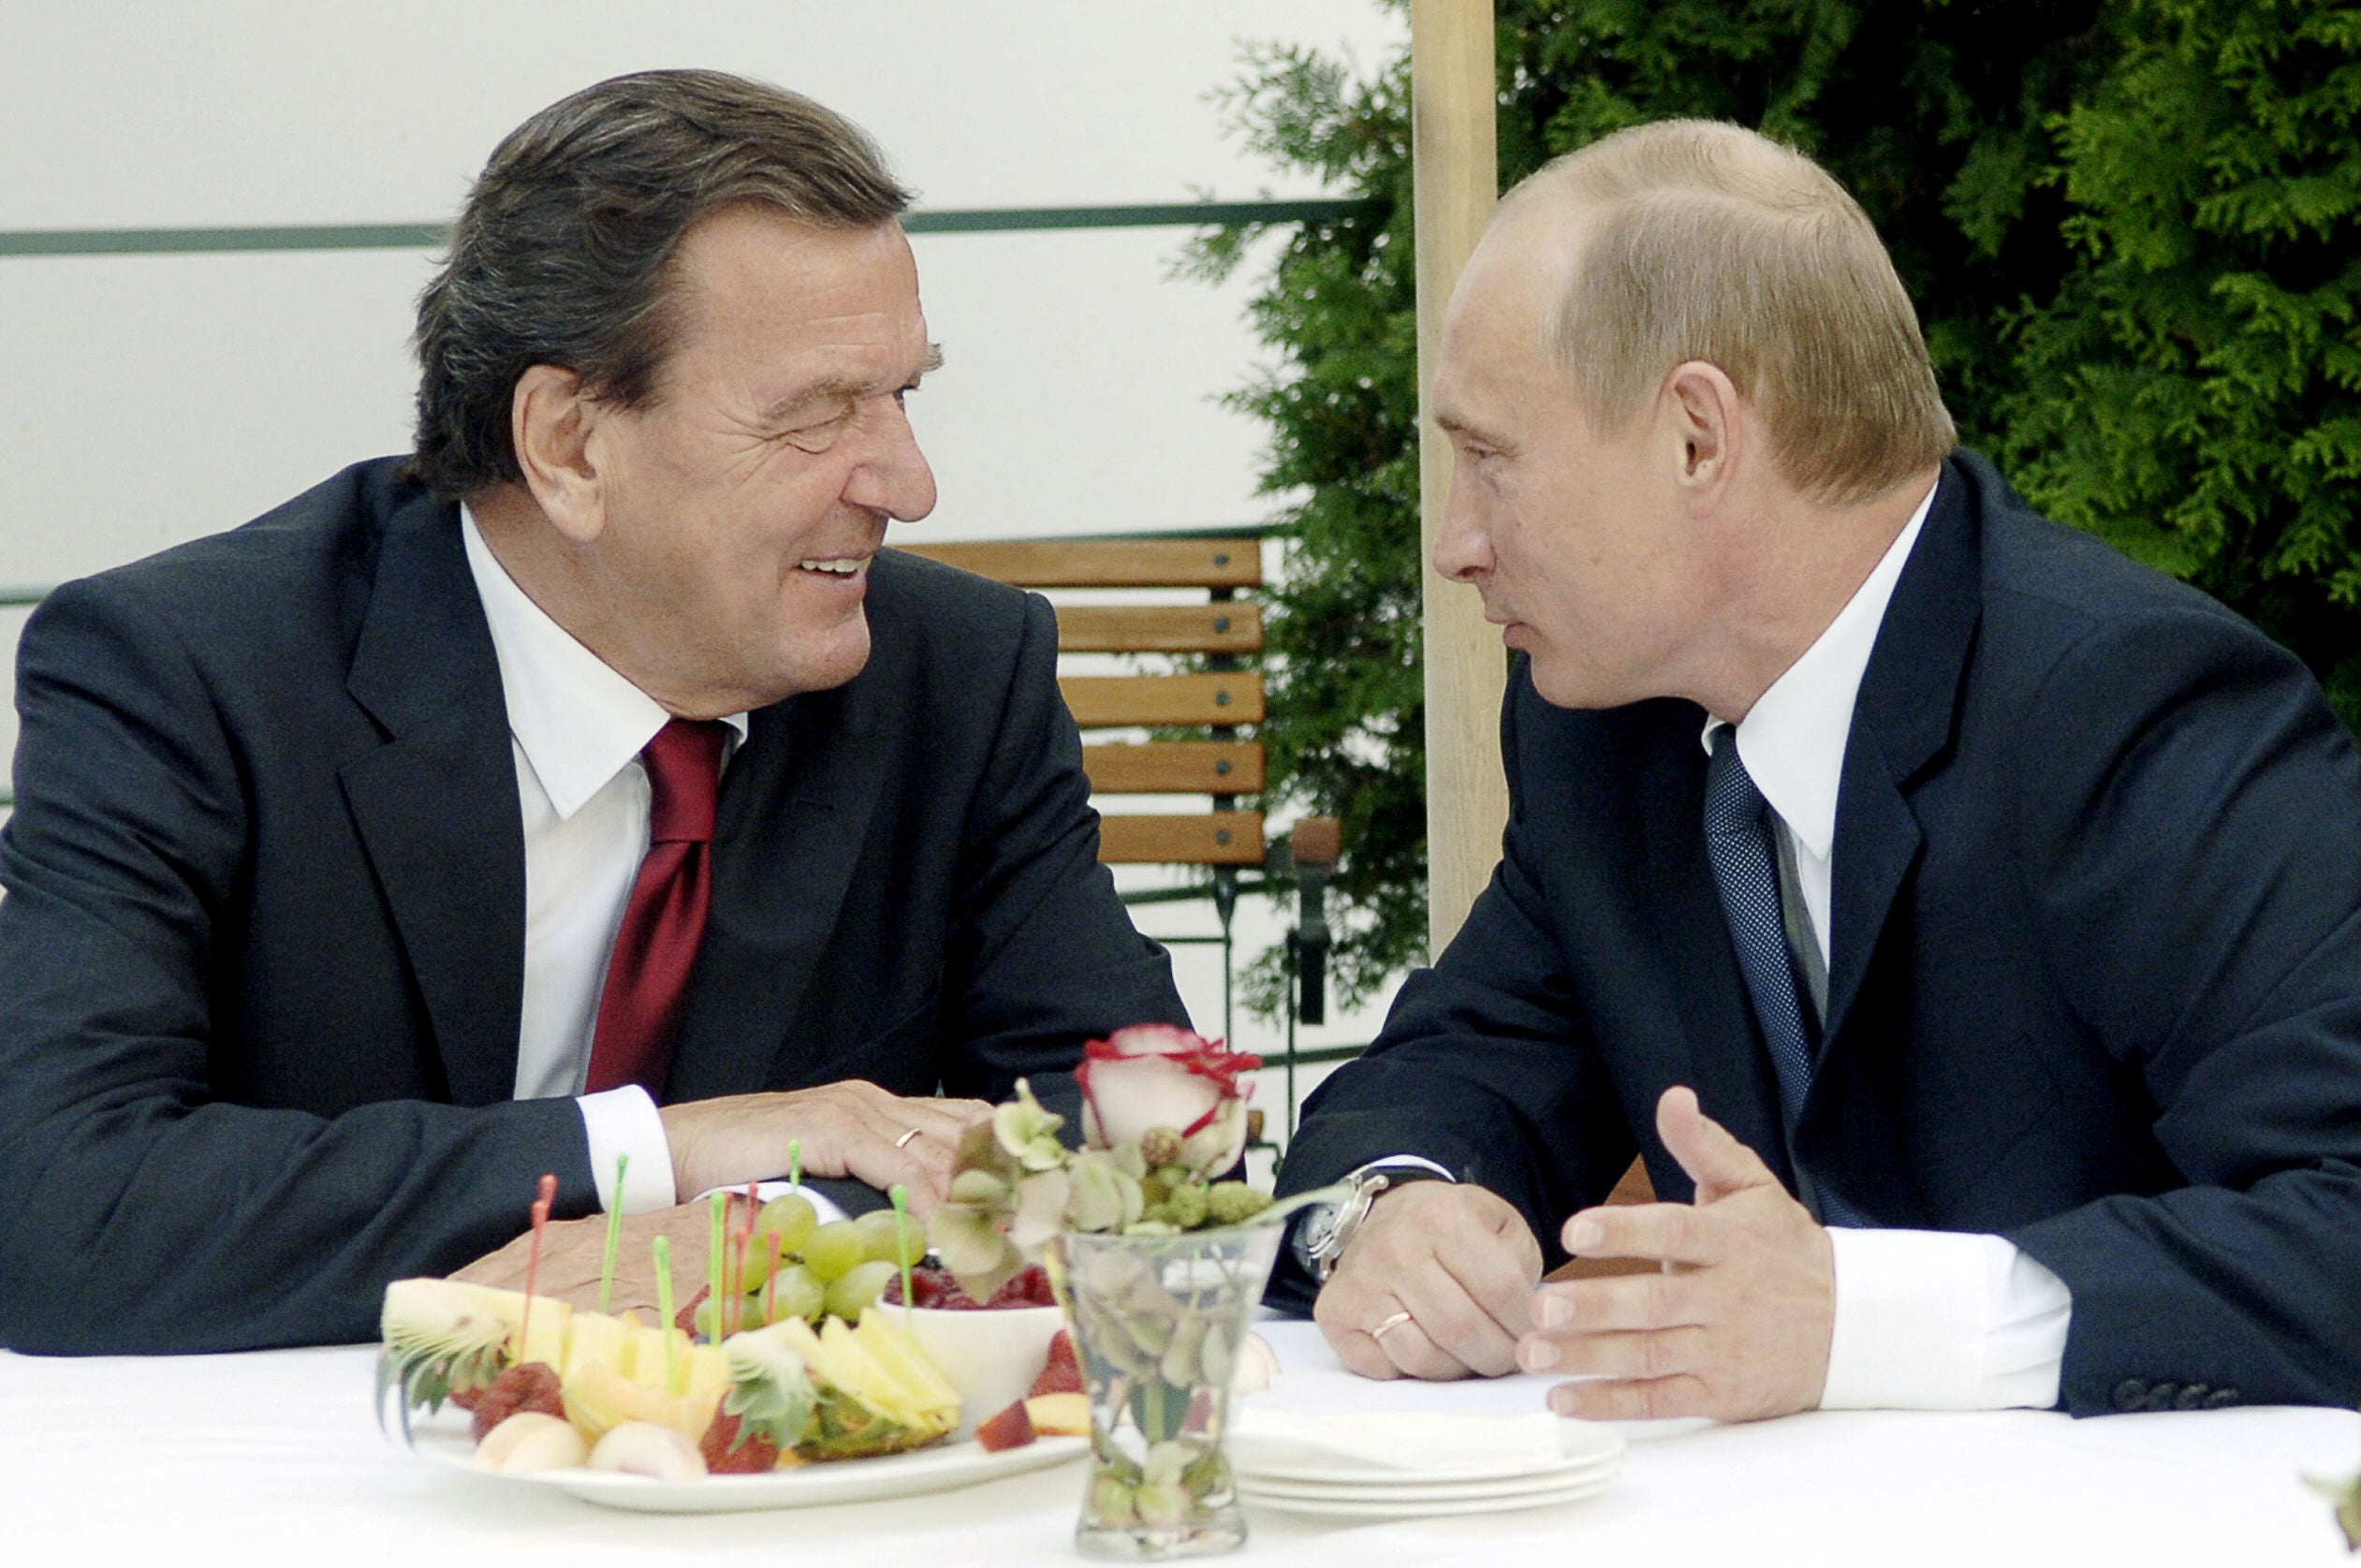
(648, 976)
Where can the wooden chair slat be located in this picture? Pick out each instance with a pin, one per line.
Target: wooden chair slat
(1176, 767)
(1103, 701)
(1107, 563)
(1221, 838)
(1221, 627)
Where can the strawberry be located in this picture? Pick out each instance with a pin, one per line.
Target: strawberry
(1028, 1287)
(1063, 1373)
(533, 1386)
(730, 1453)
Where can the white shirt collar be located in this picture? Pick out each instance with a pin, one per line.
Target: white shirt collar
(578, 721)
(1792, 740)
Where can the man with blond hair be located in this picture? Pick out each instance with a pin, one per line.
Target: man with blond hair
(1962, 922)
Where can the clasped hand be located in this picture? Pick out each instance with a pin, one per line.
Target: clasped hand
(1734, 1322)
(851, 1129)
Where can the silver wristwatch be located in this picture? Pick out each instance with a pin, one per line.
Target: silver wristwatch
(1329, 1228)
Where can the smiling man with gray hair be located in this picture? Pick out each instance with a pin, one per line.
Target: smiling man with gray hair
(589, 786)
(1962, 922)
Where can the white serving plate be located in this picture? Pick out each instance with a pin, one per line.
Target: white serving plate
(940, 1468)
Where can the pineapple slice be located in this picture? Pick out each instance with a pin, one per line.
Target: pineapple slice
(443, 1337)
(544, 1331)
(598, 1400)
(593, 1338)
(848, 1405)
(645, 1363)
(927, 1393)
(707, 1379)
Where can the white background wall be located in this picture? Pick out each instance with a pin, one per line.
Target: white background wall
(147, 400)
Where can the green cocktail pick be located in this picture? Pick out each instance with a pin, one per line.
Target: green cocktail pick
(901, 1195)
(714, 1260)
(795, 1161)
(614, 1237)
(664, 1308)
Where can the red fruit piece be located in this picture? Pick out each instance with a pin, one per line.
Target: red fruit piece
(1028, 1287)
(1062, 1373)
(930, 1286)
(1011, 1429)
(686, 1319)
(531, 1386)
(728, 1452)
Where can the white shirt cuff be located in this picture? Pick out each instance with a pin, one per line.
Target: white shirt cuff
(1942, 1320)
(625, 1121)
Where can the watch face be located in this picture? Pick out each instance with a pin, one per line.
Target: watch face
(1319, 1231)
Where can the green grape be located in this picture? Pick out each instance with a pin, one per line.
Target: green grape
(835, 1249)
(792, 1217)
(882, 1229)
(759, 1261)
(855, 1289)
(798, 1293)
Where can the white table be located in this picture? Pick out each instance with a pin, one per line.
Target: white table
(276, 1458)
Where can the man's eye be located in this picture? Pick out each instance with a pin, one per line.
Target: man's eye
(818, 437)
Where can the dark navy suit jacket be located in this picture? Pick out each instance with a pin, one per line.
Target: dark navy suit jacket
(261, 956)
(2095, 966)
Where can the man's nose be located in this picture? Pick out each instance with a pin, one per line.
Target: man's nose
(1462, 542)
(894, 477)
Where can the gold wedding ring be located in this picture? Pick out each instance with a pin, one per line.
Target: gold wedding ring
(904, 1141)
(1394, 1322)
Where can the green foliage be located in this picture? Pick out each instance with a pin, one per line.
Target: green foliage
(2191, 390)
(2128, 228)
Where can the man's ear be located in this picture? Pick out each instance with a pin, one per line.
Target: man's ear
(554, 423)
(1708, 427)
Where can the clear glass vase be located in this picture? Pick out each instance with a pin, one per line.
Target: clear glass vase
(1157, 1324)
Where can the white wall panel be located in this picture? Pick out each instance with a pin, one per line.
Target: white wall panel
(147, 400)
(155, 113)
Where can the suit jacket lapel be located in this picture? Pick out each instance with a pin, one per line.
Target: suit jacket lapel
(1902, 720)
(793, 819)
(437, 806)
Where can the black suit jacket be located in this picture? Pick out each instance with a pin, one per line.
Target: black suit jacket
(261, 955)
(2095, 965)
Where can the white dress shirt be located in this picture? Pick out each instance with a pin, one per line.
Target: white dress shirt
(1925, 1320)
(576, 729)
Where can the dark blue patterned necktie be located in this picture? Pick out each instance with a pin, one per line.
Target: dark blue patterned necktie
(1738, 840)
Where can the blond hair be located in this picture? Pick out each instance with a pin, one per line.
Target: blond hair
(1703, 240)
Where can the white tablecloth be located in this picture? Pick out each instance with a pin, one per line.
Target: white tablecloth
(276, 1458)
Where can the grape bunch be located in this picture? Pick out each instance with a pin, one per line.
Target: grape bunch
(796, 1266)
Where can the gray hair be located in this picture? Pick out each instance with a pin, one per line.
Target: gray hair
(561, 255)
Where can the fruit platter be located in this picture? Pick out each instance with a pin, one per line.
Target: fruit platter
(797, 1376)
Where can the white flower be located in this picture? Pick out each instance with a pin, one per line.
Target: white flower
(1158, 1076)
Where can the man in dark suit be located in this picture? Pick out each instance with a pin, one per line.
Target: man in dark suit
(1962, 922)
(590, 785)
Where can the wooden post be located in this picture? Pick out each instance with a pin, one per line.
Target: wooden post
(1456, 168)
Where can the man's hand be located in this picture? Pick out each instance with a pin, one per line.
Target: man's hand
(572, 1251)
(1458, 1259)
(846, 1129)
(1735, 1325)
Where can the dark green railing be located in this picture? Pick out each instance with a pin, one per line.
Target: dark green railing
(428, 236)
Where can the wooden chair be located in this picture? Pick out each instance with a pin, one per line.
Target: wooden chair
(1219, 700)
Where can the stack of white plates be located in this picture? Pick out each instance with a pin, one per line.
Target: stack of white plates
(1407, 1466)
